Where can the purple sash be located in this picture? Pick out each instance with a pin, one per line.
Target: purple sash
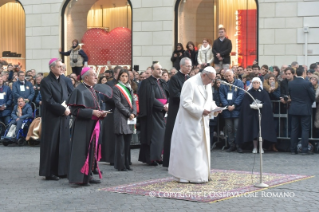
(96, 133)
(163, 101)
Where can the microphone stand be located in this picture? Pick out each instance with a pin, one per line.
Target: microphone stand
(261, 184)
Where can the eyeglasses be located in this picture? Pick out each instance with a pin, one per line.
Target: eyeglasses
(213, 80)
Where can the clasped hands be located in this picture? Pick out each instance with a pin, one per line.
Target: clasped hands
(218, 56)
(99, 113)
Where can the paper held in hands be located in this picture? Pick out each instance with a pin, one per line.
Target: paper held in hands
(133, 121)
(217, 109)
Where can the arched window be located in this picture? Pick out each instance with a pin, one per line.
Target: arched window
(198, 19)
(12, 33)
(103, 27)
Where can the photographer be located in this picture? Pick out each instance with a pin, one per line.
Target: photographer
(78, 58)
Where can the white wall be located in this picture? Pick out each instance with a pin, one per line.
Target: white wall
(42, 32)
(153, 32)
(281, 36)
(280, 31)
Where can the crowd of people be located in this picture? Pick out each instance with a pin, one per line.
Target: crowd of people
(108, 110)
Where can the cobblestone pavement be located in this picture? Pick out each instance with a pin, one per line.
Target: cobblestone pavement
(21, 188)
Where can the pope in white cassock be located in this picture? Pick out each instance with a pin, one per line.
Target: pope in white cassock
(190, 143)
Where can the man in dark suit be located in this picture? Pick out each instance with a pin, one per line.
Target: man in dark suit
(302, 96)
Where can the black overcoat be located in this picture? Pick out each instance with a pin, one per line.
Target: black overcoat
(55, 136)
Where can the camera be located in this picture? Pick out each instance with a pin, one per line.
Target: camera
(285, 97)
(75, 60)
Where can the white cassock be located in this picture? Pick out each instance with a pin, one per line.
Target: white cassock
(190, 143)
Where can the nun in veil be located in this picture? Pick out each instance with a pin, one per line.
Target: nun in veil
(248, 128)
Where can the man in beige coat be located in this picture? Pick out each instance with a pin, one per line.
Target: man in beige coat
(190, 143)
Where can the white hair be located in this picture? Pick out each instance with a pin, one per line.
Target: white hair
(54, 63)
(183, 60)
(229, 70)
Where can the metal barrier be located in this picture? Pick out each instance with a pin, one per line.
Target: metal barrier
(282, 118)
(280, 115)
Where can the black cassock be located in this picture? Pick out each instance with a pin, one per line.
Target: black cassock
(175, 88)
(55, 136)
(151, 117)
(107, 128)
(248, 127)
(83, 101)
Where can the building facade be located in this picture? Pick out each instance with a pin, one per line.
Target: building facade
(287, 30)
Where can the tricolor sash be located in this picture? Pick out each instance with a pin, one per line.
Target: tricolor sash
(126, 93)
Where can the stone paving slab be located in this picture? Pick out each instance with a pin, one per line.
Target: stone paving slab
(21, 188)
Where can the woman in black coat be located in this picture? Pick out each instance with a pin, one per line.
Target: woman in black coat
(125, 108)
(178, 54)
(191, 52)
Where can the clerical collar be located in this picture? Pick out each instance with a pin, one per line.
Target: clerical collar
(182, 73)
(86, 85)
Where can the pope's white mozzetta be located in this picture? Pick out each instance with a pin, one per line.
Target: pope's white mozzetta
(190, 143)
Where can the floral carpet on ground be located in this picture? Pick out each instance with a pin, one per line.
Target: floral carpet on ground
(225, 184)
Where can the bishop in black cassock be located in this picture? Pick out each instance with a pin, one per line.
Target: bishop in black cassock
(153, 96)
(85, 149)
(175, 88)
(55, 136)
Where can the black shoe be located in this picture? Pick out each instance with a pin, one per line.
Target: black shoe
(129, 169)
(63, 176)
(93, 181)
(153, 163)
(52, 177)
(83, 184)
(231, 149)
(122, 169)
(97, 172)
(159, 161)
(111, 164)
(239, 150)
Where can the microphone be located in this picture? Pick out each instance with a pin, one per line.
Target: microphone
(223, 82)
